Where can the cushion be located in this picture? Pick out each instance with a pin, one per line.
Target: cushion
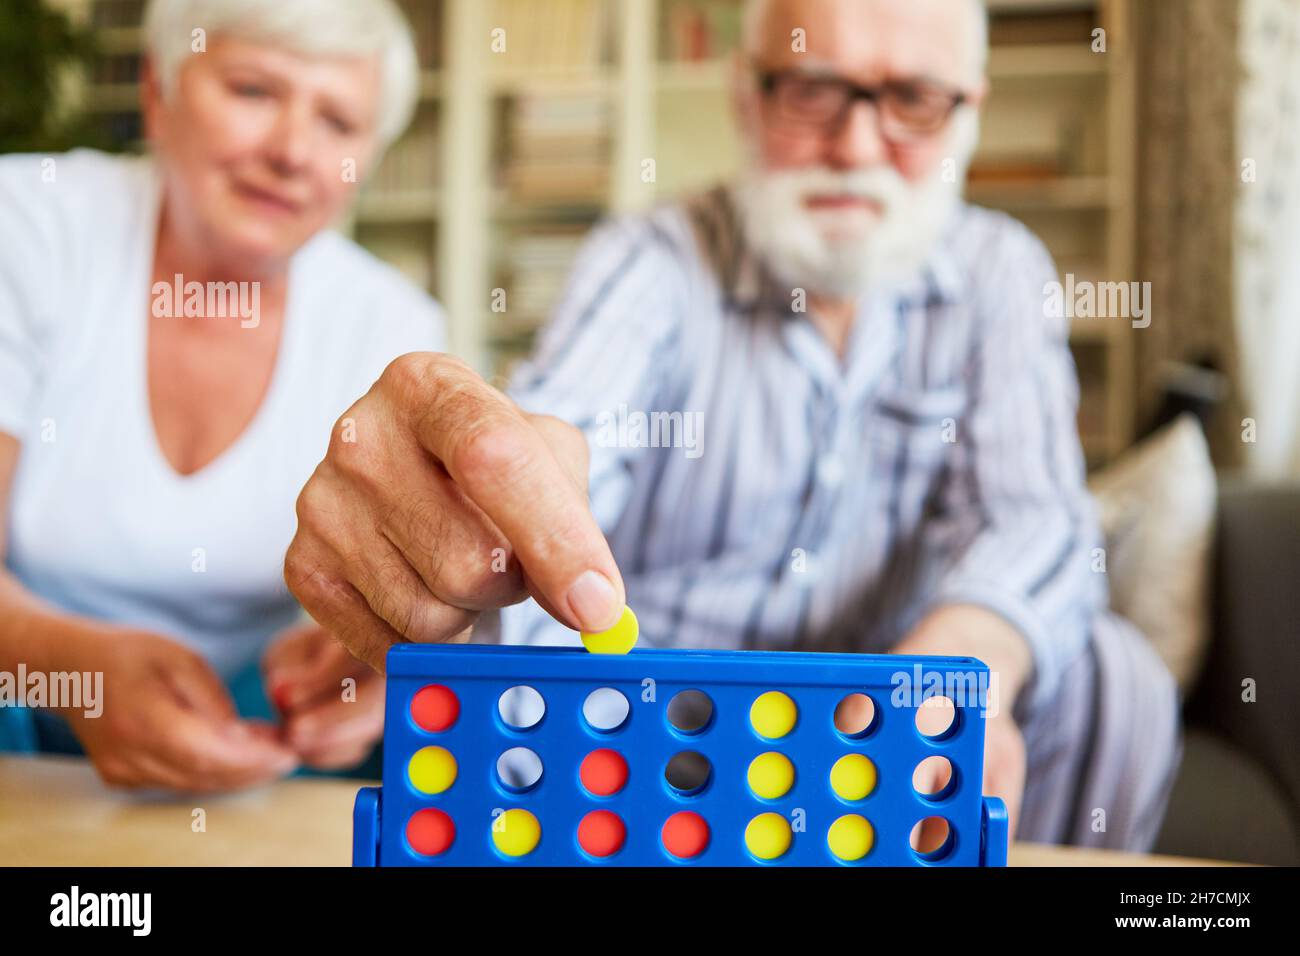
(1157, 503)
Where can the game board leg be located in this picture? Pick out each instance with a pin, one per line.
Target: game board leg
(993, 833)
(365, 827)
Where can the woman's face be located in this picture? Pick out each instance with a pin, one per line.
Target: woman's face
(263, 147)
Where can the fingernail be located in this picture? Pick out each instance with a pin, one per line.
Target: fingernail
(593, 602)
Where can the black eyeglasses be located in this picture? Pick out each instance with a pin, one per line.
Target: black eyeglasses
(909, 110)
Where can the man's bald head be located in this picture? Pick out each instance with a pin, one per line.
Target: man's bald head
(768, 23)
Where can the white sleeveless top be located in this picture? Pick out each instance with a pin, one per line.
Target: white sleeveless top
(100, 524)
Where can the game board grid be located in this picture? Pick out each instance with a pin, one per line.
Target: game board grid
(562, 739)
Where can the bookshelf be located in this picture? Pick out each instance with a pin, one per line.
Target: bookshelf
(520, 146)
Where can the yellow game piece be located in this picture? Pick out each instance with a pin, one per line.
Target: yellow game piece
(516, 832)
(768, 836)
(771, 775)
(619, 639)
(850, 837)
(853, 777)
(773, 715)
(432, 769)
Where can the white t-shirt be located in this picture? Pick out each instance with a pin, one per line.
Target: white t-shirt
(100, 524)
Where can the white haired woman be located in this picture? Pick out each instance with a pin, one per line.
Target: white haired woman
(178, 335)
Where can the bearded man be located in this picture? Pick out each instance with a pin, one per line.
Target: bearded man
(889, 457)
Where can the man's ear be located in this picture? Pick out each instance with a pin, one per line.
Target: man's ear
(976, 97)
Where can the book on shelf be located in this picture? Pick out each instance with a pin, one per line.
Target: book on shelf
(116, 14)
(556, 148)
(412, 165)
(115, 69)
(555, 36)
(695, 31)
(1034, 26)
(1010, 170)
(533, 267)
(407, 250)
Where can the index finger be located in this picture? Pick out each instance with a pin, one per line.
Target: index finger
(505, 466)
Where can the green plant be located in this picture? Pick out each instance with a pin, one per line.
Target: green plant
(38, 46)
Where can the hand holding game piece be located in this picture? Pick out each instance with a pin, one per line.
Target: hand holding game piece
(619, 639)
(304, 671)
(439, 499)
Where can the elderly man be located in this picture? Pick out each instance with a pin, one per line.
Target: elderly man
(885, 460)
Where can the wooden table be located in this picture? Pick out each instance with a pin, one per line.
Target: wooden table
(55, 812)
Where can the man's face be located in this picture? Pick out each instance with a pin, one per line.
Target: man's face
(255, 142)
(841, 192)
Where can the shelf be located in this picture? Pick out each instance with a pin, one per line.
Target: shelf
(1099, 332)
(1031, 61)
(689, 77)
(1005, 62)
(1065, 193)
(422, 205)
(119, 39)
(507, 209)
(597, 81)
(113, 98)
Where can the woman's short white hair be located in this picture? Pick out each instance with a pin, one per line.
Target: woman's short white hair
(312, 27)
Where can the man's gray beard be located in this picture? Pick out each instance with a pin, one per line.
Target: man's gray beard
(786, 237)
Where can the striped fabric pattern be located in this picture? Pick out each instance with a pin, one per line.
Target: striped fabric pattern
(829, 504)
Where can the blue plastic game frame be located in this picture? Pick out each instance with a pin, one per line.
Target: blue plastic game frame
(649, 679)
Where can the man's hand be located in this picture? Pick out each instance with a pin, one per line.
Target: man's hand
(439, 499)
(168, 720)
(327, 725)
(969, 631)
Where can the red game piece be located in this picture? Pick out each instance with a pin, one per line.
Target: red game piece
(430, 832)
(434, 708)
(601, 833)
(603, 772)
(685, 835)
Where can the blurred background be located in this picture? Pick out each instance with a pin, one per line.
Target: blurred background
(1123, 149)
(1152, 141)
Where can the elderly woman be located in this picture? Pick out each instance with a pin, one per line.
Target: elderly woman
(178, 336)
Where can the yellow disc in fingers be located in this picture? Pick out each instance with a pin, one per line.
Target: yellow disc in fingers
(619, 639)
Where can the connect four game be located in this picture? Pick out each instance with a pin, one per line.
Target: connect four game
(540, 756)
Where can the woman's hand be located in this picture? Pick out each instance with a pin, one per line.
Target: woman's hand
(168, 720)
(331, 703)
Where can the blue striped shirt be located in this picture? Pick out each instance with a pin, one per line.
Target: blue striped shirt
(823, 503)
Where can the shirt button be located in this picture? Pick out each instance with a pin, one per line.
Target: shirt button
(830, 471)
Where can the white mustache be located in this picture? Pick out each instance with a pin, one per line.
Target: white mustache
(882, 186)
